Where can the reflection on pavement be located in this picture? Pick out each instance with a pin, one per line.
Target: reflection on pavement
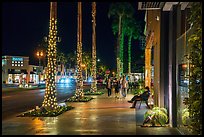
(45, 125)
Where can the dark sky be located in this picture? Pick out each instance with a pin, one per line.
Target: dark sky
(24, 24)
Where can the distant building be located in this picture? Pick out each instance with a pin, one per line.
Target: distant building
(16, 69)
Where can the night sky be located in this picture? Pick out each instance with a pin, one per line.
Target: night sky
(24, 24)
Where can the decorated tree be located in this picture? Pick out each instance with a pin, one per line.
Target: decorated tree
(61, 60)
(71, 59)
(50, 100)
(93, 70)
(79, 86)
(133, 31)
(118, 11)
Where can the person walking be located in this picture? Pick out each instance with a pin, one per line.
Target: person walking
(120, 87)
(108, 86)
(117, 87)
(124, 86)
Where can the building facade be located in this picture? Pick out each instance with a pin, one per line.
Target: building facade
(167, 31)
(16, 70)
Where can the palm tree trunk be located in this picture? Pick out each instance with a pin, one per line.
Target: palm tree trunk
(94, 82)
(50, 100)
(129, 53)
(79, 85)
(118, 47)
(122, 50)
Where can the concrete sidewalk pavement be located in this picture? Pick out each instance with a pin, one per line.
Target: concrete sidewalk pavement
(102, 115)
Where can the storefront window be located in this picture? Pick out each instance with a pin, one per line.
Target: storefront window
(182, 50)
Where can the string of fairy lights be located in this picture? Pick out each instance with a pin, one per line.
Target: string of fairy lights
(50, 100)
(121, 50)
(129, 56)
(94, 82)
(79, 85)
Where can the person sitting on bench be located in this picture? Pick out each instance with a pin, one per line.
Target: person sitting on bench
(143, 97)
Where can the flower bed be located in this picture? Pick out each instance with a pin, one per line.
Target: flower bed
(74, 99)
(42, 112)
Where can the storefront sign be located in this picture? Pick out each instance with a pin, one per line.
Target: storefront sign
(17, 59)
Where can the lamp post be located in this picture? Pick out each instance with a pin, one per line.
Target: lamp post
(39, 54)
(85, 68)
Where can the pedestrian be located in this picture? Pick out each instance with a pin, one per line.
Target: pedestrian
(124, 86)
(120, 86)
(117, 87)
(144, 96)
(108, 86)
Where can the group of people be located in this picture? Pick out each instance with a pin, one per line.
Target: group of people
(120, 85)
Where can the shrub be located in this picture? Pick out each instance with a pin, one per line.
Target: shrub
(156, 116)
(185, 117)
(138, 91)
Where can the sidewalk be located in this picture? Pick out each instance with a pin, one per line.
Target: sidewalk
(102, 115)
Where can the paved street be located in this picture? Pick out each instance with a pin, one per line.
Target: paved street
(102, 115)
(19, 100)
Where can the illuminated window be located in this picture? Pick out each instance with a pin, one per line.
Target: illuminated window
(15, 64)
(18, 64)
(12, 61)
(21, 64)
(12, 64)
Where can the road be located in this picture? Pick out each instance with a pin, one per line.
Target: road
(14, 103)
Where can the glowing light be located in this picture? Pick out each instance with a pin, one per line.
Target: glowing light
(50, 101)
(67, 80)
(90, 79)
(62, 81)
(79, 86)
(93, 70)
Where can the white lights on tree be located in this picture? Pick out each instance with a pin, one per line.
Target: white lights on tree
(50, 101)
(94, 82)
(79, 85)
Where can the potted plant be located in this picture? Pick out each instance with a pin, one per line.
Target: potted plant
(185, 117)
(156, 117)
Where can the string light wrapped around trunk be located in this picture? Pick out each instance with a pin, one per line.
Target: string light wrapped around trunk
(94, 82)
(50, 100)
(79, 85)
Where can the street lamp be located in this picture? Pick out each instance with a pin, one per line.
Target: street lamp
(85, 68)
(39, 54)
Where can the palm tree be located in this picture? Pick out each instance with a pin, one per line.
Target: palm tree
(62, 60)
(79, 85)
(102, 70)
(86, 60)
(133, 31)
(50, 100)
(94, 82)
(71, 59)
(118, 11)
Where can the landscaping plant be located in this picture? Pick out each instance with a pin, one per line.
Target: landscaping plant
(156, 116)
